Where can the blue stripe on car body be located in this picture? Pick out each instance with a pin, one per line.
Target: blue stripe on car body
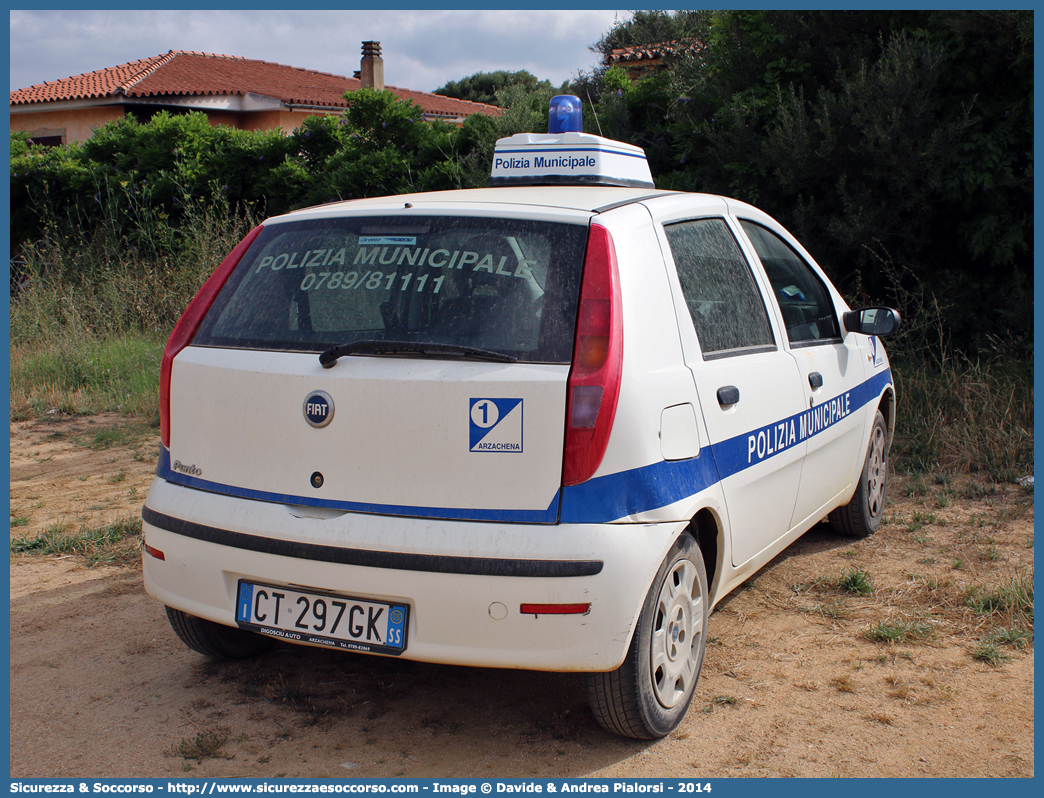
(610, 497)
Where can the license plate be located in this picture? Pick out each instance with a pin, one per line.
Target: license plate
(322, 618)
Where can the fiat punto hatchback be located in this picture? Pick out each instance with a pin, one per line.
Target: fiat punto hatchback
(543, 425)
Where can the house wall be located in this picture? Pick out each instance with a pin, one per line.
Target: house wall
(258, 120)
(75, 125)
(289, 121)
(78, 125)
(284, 120)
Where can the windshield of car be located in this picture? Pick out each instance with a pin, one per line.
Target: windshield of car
(503, 285)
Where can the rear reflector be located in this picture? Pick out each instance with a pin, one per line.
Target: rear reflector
(555, 609)
(186, 327)
(154, 552)
(594, 380)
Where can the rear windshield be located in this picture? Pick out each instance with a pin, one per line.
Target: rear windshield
(505, 285)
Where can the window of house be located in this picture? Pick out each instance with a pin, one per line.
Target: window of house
(47, 138)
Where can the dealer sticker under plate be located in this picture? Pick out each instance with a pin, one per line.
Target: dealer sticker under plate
(324, 619)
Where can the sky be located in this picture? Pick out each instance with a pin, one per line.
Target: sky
(422, 50)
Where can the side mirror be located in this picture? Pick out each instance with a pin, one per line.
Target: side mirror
(872, 321)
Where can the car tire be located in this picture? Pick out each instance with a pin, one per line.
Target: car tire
(649, 694)
(215, 640)
(862, 516)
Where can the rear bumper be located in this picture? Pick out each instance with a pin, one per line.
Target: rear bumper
(464, 581)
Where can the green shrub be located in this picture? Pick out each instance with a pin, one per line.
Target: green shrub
(900, 631)
(989, 653)
(1013, 599)
(855, 580)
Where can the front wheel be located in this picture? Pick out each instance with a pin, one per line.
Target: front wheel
(862, 516)
(648, 695)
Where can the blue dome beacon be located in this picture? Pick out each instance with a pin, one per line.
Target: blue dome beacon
(565, 155)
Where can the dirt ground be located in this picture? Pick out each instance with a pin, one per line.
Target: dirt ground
(795, 682)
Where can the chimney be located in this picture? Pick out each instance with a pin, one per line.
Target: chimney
(372, 68)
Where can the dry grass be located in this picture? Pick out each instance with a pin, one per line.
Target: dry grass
(843, 684)
(966, 417)
(961, 574)
(114, 544)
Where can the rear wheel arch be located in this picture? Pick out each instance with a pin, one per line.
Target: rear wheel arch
(647, 696)
(707, 531)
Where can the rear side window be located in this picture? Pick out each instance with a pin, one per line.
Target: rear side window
(504, 285)
(725, 305)
(808, 313)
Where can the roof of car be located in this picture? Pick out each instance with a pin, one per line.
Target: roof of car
(589, 199)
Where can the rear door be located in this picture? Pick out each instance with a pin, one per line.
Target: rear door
(749, 387)
(452, 404)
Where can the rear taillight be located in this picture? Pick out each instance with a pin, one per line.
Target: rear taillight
(186, 327)
(594, 380)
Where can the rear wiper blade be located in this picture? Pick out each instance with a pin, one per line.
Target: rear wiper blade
(329, 358)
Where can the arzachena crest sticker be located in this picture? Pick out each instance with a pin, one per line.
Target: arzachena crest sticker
(876, 353)
(496, 425)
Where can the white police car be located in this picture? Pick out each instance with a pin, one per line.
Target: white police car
(544, 425)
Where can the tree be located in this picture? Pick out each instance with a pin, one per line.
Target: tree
(642, 28)
(652, 27)
(524, 112)
(482, 87)
(383, 146)
(900, 138)
(137, 181)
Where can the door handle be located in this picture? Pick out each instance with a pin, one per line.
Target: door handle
(815, 379)
(728, 395)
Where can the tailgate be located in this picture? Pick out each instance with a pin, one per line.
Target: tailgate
(469, 440)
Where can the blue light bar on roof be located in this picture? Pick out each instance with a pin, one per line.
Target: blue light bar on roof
(572, 159)
(565, 115)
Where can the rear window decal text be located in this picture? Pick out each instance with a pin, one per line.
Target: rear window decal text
(398, 256)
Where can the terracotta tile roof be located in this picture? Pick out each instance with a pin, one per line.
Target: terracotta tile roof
(103, 83)
(185, 73)
(647, 52)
